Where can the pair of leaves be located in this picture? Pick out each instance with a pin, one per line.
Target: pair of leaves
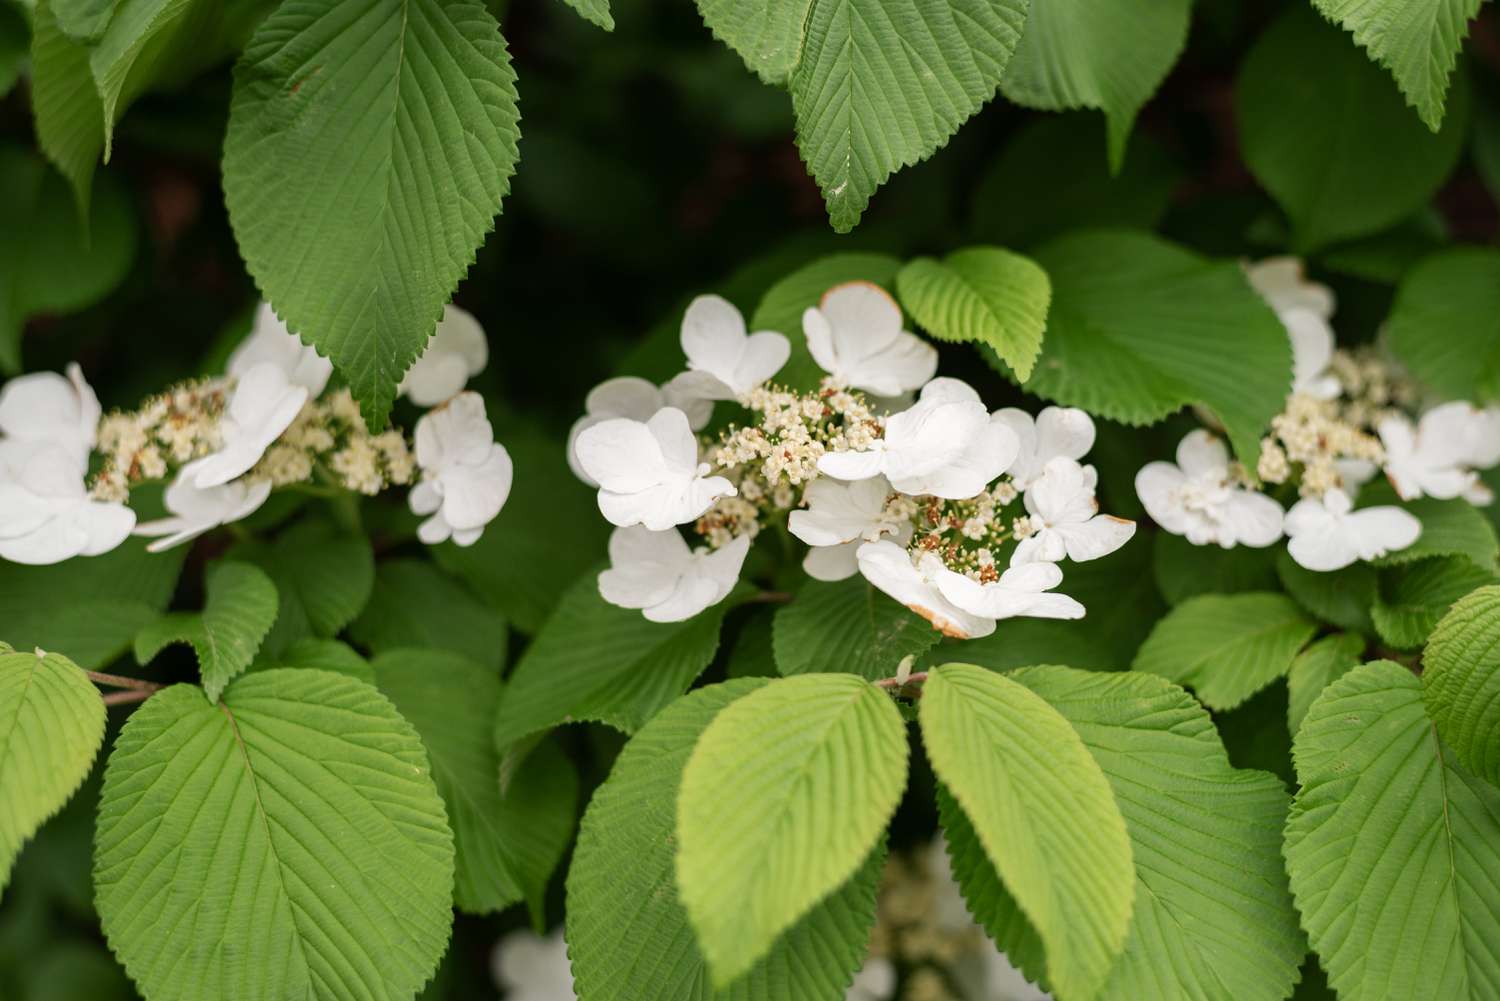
(238, 611)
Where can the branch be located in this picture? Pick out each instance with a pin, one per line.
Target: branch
(900, 682)
(769, 598)
(120, 681)
(127, 697)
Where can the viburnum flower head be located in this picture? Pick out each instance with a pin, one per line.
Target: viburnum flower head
(269, 342)
(466, 474)
(648, 472)
(839, 518)
(1200, 499)
(195, 510)
(263, 405)
(46, 514)
(855, 335)
(946, 445)
(1325, 534)
(657, 573)
(1065, 432)
(637, 399)
(724, 362)
(46, 407)
(1439, 455)
(456, 352)
(1066, 519)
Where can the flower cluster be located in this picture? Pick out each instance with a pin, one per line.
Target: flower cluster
(883, 470)
(226, 442)
(1349, 416)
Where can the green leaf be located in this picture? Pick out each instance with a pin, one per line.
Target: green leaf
(237, 613)
(1414, 597)
(84, 20)
(1140, 328)
(1317, 667)
(1457, 292)
(1392, 847)
(370, 143)
(1043, 811)
(623, 905)
(322, 655)
(324, 579)
(1185, 571)
(594, 11)
(1417, 40)
(784, 797)
(49, 261)
(1096, 54)
(1227, 647)
(51, 727)
(1341, 597)
(595, 662)
(1310, 137)
(982, 294)
(1461, 681)
(1449, 528)
(299, 828)
(15, 42)
(414, 604)
(848, 627)
(68, 113)
(505, 847)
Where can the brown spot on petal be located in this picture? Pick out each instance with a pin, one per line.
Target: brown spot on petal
(870, 285)
(941, 624)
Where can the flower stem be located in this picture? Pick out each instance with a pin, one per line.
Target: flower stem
(770, 598)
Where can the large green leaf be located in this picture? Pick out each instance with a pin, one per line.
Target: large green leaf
(1392, 847)
(505, 846)
(1185, 571)
(1461, 681)
(628, 934)
(237, 613)
(324, 579)
(414, 604)
(1140, 328)
(1341, 597)
(785, 795)
(370, 143)
(84, 20)
(1417, 40)
(1227, 647)
(1317, 667)
(295, 825)
(51, 726)
(1414, 597)
(1312, 136)
(64, 104)
(848, 627)
(1456, 292)
(981, 294)
(1097, 54)
(1043, 811)
(594, 11)
(1452, 527)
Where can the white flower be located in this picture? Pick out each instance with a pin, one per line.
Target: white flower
(657, 573)
(1326, 534)
(637, 399)
(724, 363)
(1438, 457)
(839, 518)
(46, 407)
(196, 510)
(1065, 519)
(1282, 283)
(456, 352)
(466, 474)
(648, 473)
(46, 514)
(1198, 497)
(1056, 431)
(531, 968)
(269, 342)
(1304, 309)
(875, 981)
(263, 405)
(855, 335)
(946, 445)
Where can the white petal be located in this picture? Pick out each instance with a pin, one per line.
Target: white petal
(105, 524)
(987, 453)
(905, 364)
(1381, 530)
(764, 355)
(474, 495)
(691, 595)
(1097, 537)
(819, 333)
(1063, 431)
(644, 566)
(722, 566)
(948, 390)
(865, 320)
(838, 512)
(1323, 552)
(620, 454)
(1202, 454)
(1157, 484)
(1282, 283)
(675, 439)
(852, 465)
(1046, 546)
(434, 530)
(713, 336)
(425, 498)
(1254, 519)
(1063, 494)
(678, 392)
(21, 511)
(1028, 464)
(887, 566)
(269, 342)
(624, 396)
(830, 563)
(1312, 346)
(456, 352)
(458, 432)
(57, 540)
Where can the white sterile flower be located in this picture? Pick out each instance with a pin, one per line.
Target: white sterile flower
(855, 335)
(196, 510)
(946, 445)
(839, 518)
(456, 352)
(529, 967)
(1056, 431)
(269, 342)
(1438, 456)
(637, 399)
(1326, 534)
(1066, 519)
(875, 981)
(648, 472)
(1312, 353)
(1199, 498)
(46, 514)
(264, 404)
(46, 407)
(657, 573)
(466, 474)
(1283, 284)
(725, 363)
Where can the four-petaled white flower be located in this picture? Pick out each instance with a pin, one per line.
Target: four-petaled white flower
(875, 981)
(946, 445)
(1326, 534)
(263, 405)
(855, 335)
(1199, 498)
(456, 352)
(637, 399)
(1066, 519)
(1438, 456)
(1056, 431)
(839, 518)
(466, 474)
(194, 510)
(269, 342)
(46, 514)
(725, 363)
(648, 473)
(657, 573)
(46, 407)
(529, 967)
